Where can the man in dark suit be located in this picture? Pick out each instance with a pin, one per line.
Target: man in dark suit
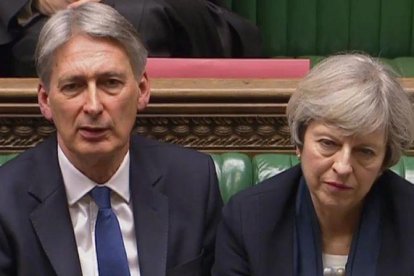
(164, 200)
(169, 28)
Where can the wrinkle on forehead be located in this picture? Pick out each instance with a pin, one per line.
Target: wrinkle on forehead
(84, 55)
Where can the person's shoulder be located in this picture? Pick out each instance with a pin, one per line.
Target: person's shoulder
(17, 164)
(165, 151)
(397, 193)
(396, 184)
(279, 187)
(25, 163)
(266, 203)
(397, 196)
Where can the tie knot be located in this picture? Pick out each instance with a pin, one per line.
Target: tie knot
(102, 197)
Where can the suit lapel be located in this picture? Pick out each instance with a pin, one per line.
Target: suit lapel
(279, 222)
(51, 219)
(275, 209)
(150, 211)
(397, 239)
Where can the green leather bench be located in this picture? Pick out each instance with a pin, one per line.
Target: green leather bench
(238, 171)
(317, 28)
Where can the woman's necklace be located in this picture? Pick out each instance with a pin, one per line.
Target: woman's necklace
(330, 271)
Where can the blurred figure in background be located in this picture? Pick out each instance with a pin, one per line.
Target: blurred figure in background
(169, 28)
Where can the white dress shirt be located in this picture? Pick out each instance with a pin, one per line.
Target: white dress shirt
(83, 213)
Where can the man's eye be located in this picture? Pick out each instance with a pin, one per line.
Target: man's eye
(71, 87)
(112, 83)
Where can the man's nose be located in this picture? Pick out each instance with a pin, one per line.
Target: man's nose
(92, 104)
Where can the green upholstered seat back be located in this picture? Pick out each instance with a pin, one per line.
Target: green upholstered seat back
(268, 165)
(6, 157)
(405, 168)
(234, 173)
(238, 171)
(321, 27)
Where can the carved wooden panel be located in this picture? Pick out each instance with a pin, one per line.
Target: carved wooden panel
(223, 133)
(214, 115)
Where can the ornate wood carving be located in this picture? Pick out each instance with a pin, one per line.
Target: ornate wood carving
(214, 115)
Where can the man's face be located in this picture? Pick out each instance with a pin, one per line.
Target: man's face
(93, 98)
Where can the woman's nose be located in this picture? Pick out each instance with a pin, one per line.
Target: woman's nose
(342, 163)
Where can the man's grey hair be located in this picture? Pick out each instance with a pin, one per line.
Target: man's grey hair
(357, 94)
(92, 19)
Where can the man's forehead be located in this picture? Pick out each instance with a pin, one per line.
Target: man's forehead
(89, 55)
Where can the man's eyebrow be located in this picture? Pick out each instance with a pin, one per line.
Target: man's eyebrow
(112, 74)
(77, 78)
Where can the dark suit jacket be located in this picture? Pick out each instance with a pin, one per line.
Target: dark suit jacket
(8, 10)
(176, 206)
(256, 235)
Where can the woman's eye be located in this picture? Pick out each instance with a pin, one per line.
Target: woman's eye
(326, 143)
(327, 146)
(367, 152)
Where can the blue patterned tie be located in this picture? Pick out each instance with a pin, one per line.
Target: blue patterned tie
(110, 250)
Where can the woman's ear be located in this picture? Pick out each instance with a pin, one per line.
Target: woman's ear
(298, 152)
(43, 100)
(144, 92)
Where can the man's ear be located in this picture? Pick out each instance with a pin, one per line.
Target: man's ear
(43, 100)
(145, 92)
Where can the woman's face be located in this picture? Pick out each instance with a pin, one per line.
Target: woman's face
(340, 170)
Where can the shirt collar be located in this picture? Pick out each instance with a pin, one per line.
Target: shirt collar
(78, 185)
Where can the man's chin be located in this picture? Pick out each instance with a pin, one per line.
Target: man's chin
(103, 149)
(86, 151)
(97, 152)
